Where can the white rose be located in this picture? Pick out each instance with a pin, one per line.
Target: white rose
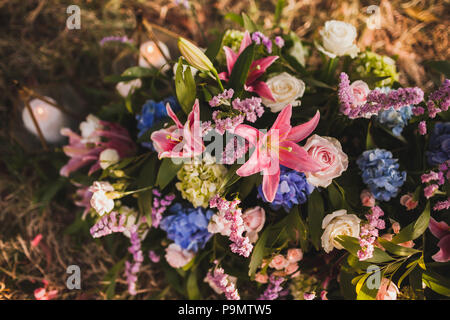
(286, 89)
(177, 257)
(88, 128)
(108, 157)
(338, 223)
(128, 87)
(100, 201)
(338, 39)
(328, 152)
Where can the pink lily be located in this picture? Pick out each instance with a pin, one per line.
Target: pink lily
(257, 68)
(441, 230)
(277, 146)
(113, 136)
(180, 141)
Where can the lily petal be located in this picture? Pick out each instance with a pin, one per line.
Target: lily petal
(297, 159)
(283, 122)
(439, 229)
(246, 41)
(261, 88)
(270, 185)
(173, 116)
(443, 254)
(300, 132)
(231, 57)
(258, 67)
(248, 133)
(254, 165)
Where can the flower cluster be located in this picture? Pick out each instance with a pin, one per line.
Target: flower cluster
(114, 222)
(293, 189)
(235, 149)
(369, 233)
(439, 145)
(233, 214)
(380, 173)
(439, 100)
(221, 283)
(132, 268)
(394, 119)
(259, 38)
(274, 289)
(187, 227)
(160, 204)
(369, 64)
(199, 181)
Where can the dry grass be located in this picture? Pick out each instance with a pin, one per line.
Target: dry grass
(36, 48)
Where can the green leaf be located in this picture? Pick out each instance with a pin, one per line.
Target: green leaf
(111, 277)
(138, 72)
(407, 272)
(316, 213)
(436, 282)
(258, 253)
(213, 49)
(415, 229)
(249, 25)
(317, 83)
(296, 228)
(365, 293)
(167, 172)
(351, 244)
(185, 87)
(235, 17)
(241, 68)
(230, 178)
(192, 286)
(279, 10)
(370, 144)
(336, 196)
(396, 249)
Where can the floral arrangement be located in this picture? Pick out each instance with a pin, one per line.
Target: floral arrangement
(245, 171)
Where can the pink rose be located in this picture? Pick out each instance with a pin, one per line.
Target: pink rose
(328, 152)
(291, 268)
(360, 90)
(408, 201)
(279, 262)
(387, 291)
(177, 257)
(254, 220)
(261, 278)
(294, 255)
(367, 198)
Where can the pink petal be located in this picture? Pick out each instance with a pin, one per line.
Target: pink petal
(258, 67)
(246, 41)
(223, 76)
(443, 255)
(248, 133)
(300, 132)
(261, 88)
(297, 159)
(438, 229)
(36, 240)
(270, 185)
(231, 57)
(283, 122)
(173, 116)
(253, 165)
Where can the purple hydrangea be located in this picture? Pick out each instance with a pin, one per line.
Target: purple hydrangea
(293, 189)
(439, 147)
(187, 227)
(380, 173)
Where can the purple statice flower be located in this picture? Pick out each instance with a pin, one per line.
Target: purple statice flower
(221, 281)
(187, 227)
(108, 225)
(442, 205)
(439, 145)
(251, 107)
(154, 257)
(123, 39)
(230, 210)
(226, 123)
(160, 204)
(235, 149)
(274, 288)
(422, 128)
(293, 189)
(259, 38)
(132, 268)
(417, 111)
(346, 99)
(268, 44)
(393, 119)
(369, 233)
(380, 173)
(439, 100)
(279, 42)
(222, 98)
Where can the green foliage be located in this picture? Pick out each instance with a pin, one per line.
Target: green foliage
(167, 172)
(241, 68)
(185, 86)
(316, 212)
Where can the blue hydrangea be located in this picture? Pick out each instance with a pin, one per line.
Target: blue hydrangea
(439, 146)
(187, 227)
(395, 120)
(380, 173)
(152, 113)
(293, 189)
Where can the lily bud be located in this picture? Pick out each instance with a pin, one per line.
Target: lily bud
(194, 56)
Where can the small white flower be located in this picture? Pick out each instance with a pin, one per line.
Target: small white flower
(286, 89)
(108, 157)
(100, 201)
(128, 87)
(338, 39)
(177, 257)
(336, 224)
(88, 128)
